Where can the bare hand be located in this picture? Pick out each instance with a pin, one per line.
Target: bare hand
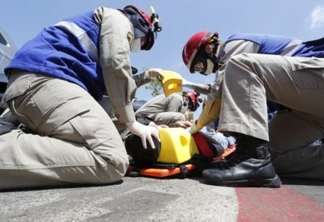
(182, 124)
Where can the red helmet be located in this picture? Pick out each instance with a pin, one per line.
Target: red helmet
(193, 99)
(193, 46)
(142, 24)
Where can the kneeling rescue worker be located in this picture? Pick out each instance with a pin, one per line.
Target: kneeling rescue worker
(252, 69)
(55, 82)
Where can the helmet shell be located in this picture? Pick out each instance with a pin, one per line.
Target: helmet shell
(142, 24)
(193, 45)
(194, 100)
(141, 13)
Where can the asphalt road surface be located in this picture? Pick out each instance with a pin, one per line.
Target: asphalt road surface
(148, 199)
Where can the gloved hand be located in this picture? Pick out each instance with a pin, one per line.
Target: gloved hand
(187, 84)
(145, 132)
(194, 129)
(156, 73)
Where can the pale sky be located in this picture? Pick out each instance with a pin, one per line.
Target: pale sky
(180, 19)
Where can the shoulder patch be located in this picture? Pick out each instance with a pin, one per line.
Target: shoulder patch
(130, 38)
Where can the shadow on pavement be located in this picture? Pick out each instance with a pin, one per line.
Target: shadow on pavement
(298, 181)
(69, 186)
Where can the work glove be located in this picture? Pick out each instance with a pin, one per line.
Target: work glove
(187, 84)
(156, 73)
(193, 129)
(144, 132)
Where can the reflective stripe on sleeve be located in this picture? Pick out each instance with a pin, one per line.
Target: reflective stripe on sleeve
(84, 39)
(291, 48)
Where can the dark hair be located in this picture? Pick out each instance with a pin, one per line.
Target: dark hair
(142, 157)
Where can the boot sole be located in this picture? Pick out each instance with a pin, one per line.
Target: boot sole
(274, 182)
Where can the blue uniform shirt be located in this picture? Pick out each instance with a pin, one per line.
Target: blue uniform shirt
(66, 50)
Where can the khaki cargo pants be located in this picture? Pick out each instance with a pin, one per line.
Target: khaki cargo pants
(298, 83)
(77, 143)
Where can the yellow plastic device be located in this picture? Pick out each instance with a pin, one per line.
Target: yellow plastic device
(172, 82)
(178, 145)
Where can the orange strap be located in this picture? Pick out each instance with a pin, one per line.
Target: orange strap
(227, 152)
(156, 172)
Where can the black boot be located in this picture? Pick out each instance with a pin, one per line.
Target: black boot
(249, 165)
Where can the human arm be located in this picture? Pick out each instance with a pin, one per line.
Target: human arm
(210, 112)
(199, 88)
(212, 106)
(114, 51)
(181, 123)
(145, 77)
(236, 47)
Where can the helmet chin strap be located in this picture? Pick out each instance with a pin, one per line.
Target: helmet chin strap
(212, 60)
(210, 67)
